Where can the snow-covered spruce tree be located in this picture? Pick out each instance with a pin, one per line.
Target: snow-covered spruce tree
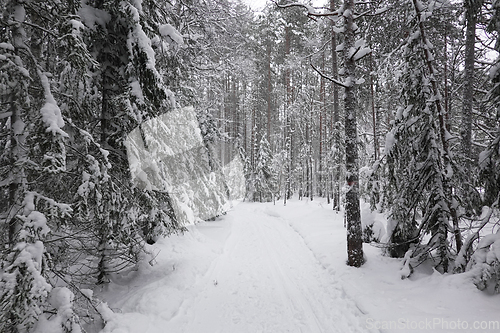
(33, 156)
(264, 175)
(419, 162)
(483, 259)
(25, 294)
(129, 90)
(490, 157)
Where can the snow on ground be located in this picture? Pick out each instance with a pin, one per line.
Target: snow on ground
(270, 268)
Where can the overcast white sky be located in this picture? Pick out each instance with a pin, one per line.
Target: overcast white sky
(256, 4)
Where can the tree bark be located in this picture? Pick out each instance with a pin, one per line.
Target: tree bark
(322, 103)
(352, 210)
(17, 175)
(334, 127)
(374, 115)
(288, 125)
(468, 93)
(269, 90)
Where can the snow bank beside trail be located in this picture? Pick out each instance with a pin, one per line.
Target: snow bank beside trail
(190, 273)
(428, 302)
(150, 299)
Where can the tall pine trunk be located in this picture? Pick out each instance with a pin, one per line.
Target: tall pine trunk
(468, 93)
(288, 125)
(374, 113)
(269, 90)
(322, 104)
(17, 175)
(335, 128)
(352, 210)
(468, 191)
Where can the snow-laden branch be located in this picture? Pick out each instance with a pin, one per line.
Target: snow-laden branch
(36, 26)
(369, 12)
(342, 84)
(51, 114)
(359, 50)
(311, 11)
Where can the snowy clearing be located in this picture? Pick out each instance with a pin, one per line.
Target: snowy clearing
(270, 268)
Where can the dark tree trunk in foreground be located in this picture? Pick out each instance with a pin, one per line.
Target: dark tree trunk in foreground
(466, 127)
(352, 210)
(335, 118)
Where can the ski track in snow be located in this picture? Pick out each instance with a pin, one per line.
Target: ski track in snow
(265, 279)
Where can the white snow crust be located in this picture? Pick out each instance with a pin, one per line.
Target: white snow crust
(270, 268)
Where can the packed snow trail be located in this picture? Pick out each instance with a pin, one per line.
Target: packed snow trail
(267, 280)
(264, 279)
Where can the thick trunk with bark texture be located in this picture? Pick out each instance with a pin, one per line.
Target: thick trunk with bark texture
(334, 128)
(352, 210)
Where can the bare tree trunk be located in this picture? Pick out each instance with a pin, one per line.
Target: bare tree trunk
(17, 132)
(307, 153)
(374, 115)
(466, 125)
(234, 112)
(352, 210)
(253, 142)
(335, 119)
(17, 186)
(322, 103)
(288, 125)
(310, 154)
(269, 90)
(244, 119)
(446, 93)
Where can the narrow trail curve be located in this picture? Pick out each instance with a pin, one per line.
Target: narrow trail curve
(267, 280)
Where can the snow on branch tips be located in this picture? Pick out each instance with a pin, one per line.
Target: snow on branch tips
(311, 11)
(137, 37)
(342, 84)
(166, 30)
(51, 114)
(359, 50)
(362, 52)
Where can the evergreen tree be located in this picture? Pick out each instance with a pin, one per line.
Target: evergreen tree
(73, 173)
(264, 175)
(481, 258)
(419, 162)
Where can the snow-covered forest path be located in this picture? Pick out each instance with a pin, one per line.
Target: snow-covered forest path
(267, 280)
(260, 277)
(271, 269)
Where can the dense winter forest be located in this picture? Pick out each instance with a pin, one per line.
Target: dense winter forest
(393, 102)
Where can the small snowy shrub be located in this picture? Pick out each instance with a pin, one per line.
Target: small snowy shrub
(368, 234)
(64, 321)
(373, 229)
(373, 232)
(485, 262)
